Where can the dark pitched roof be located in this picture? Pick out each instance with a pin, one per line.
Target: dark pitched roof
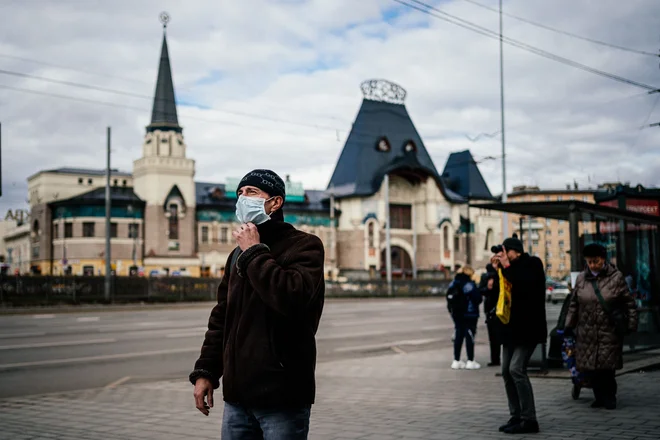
(361, 166)
(119, 195)
(462, 176)
(68, 170)
(163, 115)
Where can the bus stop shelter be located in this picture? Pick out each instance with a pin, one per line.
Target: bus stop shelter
(631, 239)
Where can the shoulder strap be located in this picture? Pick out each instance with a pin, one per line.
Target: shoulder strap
(601, 300)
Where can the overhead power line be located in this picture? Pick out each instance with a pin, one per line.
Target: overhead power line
(560, 31)
(439, 14)
(140, 96)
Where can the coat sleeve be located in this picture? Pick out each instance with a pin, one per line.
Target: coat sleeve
(573, 310)
(210, 362)
(627, 302)
(287, 288)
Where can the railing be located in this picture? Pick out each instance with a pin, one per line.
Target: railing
(25, 291)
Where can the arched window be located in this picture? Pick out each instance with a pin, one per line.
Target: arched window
(371, 234)
(445, 238)
(173, 233)
(489, 239)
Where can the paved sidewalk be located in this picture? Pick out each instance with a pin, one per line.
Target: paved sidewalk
(396, 396)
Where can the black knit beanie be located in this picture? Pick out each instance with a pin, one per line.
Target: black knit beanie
(513, 244)
(265, 180)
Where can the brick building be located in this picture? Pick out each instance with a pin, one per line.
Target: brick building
(165, 222)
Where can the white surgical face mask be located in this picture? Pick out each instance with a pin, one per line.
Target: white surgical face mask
(251, 210)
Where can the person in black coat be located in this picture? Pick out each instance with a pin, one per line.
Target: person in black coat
(490, 290)
(527, 327)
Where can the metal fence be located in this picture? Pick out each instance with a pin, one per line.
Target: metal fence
(18, 291)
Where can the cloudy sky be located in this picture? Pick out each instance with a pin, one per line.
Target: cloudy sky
(275, 83)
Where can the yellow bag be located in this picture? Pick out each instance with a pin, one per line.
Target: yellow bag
(503, 310)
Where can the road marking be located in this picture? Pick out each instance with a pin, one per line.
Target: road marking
(49, 316)
(88, 319)
(377, 321)
(193, 332)
(388, 345)
(57, 344)
(352, 335)
(21, 335)
(436, 327)
(118, 382)
(106, 357)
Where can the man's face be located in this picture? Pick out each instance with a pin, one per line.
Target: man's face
(595, 264)
(272, 203)
(512, 255)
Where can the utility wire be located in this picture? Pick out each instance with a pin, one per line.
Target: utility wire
(138, 81)
(646, 121)
(137, 95)
(560, 31)
(428, 9)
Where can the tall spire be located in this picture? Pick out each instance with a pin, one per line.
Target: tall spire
(163, 115)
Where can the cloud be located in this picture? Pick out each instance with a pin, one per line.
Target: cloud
(275, 84)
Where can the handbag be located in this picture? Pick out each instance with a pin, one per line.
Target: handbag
(503, 310)
(618, 318)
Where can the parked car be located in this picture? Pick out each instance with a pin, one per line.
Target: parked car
(556, 292)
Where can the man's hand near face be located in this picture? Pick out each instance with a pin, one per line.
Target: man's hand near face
(504, 259)
(246, 236)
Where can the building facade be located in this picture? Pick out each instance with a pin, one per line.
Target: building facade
(163, 222)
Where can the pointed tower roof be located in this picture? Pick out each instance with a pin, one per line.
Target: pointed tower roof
(163, 115)
(383, 140)
(462, 176)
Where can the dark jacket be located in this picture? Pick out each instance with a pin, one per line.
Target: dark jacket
(527, 325)
(598, 347)
(463, 285)
(490, 296)
(261, 334)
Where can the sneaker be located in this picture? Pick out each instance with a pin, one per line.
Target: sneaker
(472, 365)
(512, 422)
(457, 365)
(524, 427)
(494, 364)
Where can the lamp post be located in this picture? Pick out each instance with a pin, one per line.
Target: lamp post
(134, 232)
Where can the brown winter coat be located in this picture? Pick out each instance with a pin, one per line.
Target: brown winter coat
(598, 347)
(261, 334)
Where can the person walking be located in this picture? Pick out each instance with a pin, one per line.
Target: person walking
(601, 297)
(527, 327)
(463, 300)
(490, 290)
(261, 333)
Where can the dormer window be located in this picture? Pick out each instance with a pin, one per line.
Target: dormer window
(383, 145)
(409, 147)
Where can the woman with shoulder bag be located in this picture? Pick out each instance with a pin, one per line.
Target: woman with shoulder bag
(601, 313)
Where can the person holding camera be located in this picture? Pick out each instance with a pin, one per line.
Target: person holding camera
(527, 327)
(601, 312)
(490, 290)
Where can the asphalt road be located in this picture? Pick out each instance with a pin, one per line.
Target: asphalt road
(53, 352)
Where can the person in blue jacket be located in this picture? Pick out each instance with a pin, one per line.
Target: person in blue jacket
(463, 299)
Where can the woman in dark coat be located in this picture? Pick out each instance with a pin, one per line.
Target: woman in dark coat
(599, 346)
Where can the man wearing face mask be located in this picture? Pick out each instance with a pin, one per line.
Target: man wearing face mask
(261, 334)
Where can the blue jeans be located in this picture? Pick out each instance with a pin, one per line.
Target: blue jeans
(241, 423)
